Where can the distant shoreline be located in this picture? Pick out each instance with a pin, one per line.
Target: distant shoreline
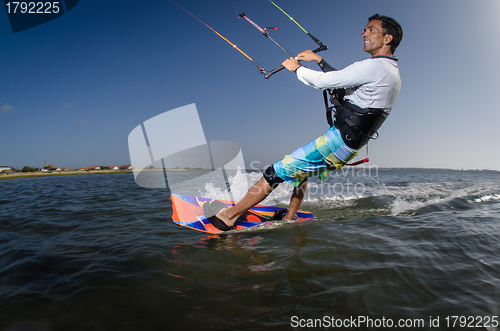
(92, 172)
(65, 173)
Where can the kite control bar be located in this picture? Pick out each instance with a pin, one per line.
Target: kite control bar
(268, 74)
(316, 40)
(265, 32)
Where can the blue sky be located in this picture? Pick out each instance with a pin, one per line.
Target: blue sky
(72, 90)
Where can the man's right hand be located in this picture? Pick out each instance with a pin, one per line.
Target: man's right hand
(308, 56)
(291, 64)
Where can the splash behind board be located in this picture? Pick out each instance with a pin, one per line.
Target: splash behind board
(188, 212)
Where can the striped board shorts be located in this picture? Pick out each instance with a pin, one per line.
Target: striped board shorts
(319, 157)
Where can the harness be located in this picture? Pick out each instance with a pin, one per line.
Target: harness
(357, 125)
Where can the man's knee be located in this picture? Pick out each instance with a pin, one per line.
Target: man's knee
(271, 177)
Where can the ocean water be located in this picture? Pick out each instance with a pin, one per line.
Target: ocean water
(413, 249)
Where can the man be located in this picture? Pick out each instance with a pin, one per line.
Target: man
(370, 86)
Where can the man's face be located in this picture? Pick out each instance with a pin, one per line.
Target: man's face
(373, 37)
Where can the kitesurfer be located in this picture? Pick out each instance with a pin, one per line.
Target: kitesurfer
(371, 87)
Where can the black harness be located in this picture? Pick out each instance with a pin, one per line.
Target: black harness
(357, 125)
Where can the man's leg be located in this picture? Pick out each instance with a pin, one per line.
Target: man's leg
(256, 194)
(296, 200)
(306, 161)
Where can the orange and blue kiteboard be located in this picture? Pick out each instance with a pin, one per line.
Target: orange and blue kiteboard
(188, 212)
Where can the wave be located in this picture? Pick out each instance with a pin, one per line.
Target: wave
(351, 196)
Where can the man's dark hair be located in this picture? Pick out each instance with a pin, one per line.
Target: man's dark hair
(390, 26)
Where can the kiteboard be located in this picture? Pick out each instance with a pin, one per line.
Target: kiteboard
(188, 212)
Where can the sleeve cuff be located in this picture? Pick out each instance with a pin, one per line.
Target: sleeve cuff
(325, 66)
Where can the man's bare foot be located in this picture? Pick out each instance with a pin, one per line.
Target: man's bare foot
(222, 215)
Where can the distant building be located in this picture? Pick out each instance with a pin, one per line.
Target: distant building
(125, 167)
(50, 167)
(5, 169)
(113, 167)
(94, 168)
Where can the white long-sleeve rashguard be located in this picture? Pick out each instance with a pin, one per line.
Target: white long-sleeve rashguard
(371, 83)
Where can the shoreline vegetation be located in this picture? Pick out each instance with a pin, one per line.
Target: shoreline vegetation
(10, 175)
(58, 173)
